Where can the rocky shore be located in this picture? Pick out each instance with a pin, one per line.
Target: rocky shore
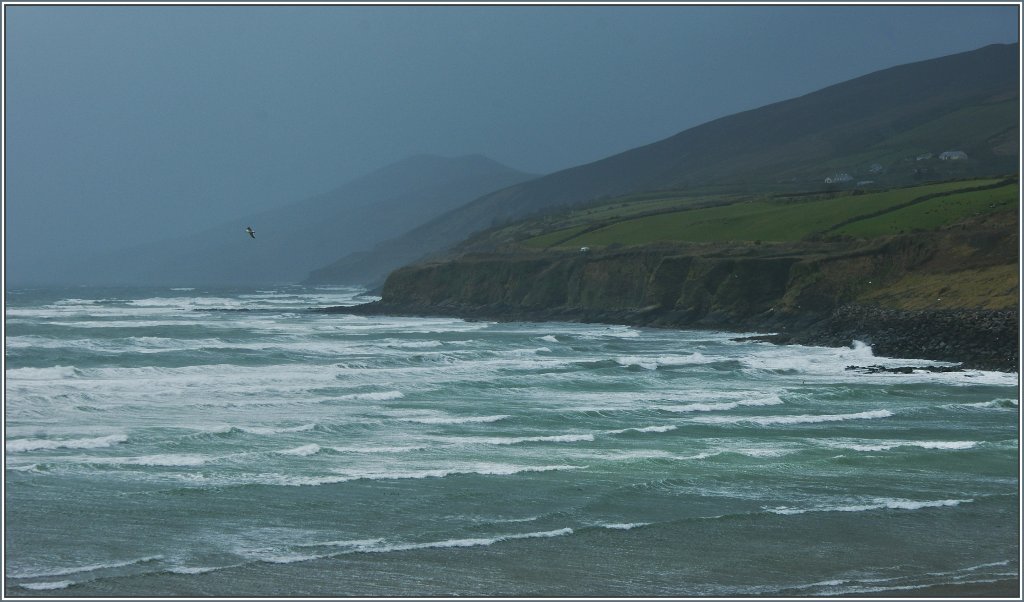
(975, 339)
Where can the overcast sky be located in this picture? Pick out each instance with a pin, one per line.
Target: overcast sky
(126, 123)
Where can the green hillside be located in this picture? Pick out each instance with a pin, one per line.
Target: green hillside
(787, 218)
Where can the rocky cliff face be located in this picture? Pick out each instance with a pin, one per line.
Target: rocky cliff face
(810, 292)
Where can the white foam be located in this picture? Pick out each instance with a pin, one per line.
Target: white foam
(458, 419)
(157, 460)
(646, 429)
(471, 542)
(371, 396)
(381, 475)
(798, 419)
(874, 504)
(869, 445)
(302, 450)
(44, 585)
(270, 430)
(567, 438)
(625, 526)
(769, 400)
(195, 570)
(61, 572)
(23, 445)
(1002, 404)
(655, 362)
(52, 373)
(550, 338)
(385, 449)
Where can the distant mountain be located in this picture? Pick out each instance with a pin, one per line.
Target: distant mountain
(874, 127)
(296, 238)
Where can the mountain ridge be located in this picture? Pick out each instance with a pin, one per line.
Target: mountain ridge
(789, 145)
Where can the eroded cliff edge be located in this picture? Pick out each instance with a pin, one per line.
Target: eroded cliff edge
(949, 295)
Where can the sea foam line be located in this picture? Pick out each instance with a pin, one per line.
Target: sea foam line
(645, 429)
(484, 470)
(469, 542)
(886, 445)
(45, 585)
(24, 445)
(568, 438)
(877, 504)
(770, 400)
(457, 419)
(375, 547)
(796, 419)
(61, 572)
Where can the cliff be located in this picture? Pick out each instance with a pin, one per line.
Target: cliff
(948, 295)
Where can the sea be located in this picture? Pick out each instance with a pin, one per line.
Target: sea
(230, 442)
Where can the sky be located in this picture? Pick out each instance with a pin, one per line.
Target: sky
(129, 123)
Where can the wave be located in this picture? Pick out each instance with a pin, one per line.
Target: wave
(797, 419)
(465, 543)
(568, 438)
(380, 546)
(62, 572)
(198, 570)
(886, 445)
(45, 585)
(155, 460)
(371, 396)
(646, 429)
(769, 400)
(393, 449)
(51, 373)
(271, 430)
(23, 445)
(302, 450)
(625, 526)
(386, 475)
(1001, 404)
(458, 419)
(875, 504)
(653, 363)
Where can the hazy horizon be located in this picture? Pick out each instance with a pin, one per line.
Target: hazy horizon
(126, 124)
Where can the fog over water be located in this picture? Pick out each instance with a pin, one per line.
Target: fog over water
(129, 123)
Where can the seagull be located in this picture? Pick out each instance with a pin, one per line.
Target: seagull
(251, 232)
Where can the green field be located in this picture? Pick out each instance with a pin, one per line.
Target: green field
(786, 219)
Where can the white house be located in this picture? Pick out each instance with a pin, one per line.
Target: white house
(838, 178)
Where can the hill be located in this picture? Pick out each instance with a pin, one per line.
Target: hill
(886, 129)
(298, 237)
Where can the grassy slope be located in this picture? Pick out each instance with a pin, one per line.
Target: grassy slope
(789, 219)
(957, 278)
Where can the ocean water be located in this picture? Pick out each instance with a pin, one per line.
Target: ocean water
(197, 442)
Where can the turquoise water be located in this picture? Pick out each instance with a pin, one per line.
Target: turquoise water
(159, 445)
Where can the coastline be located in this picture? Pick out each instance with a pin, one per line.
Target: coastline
(974, 339)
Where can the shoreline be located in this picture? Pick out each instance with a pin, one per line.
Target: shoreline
(974, 339)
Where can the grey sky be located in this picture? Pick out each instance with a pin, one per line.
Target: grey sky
(125, 123)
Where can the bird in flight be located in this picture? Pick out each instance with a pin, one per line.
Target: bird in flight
(251, 232)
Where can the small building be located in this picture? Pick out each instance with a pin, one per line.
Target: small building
(924, 157)
(875, 168)
(953, 155)
(839, 178)
(584, 250)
